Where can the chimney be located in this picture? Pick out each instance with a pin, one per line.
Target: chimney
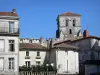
(85, 33)
(13, 10)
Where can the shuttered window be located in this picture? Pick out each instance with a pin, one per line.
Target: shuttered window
(1, 45)
(1, 63)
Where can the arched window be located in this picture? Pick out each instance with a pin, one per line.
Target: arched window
(70, 31)
(66, 22)
(74, 22)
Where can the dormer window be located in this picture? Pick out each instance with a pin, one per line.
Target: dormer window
(66, 22)
(74, 22)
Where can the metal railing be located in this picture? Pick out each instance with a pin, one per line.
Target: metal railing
(9, 30)
(36, 73)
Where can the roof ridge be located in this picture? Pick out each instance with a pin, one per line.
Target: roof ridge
(69, 14)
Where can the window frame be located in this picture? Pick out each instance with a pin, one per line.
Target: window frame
(74, 22)
(67, 22)
(27, 63)
(11, 63)
(12, 45)
(70, 31)
(27, 53)
(38, 53)
(11, 29)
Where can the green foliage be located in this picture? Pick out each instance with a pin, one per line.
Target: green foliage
(37, 68)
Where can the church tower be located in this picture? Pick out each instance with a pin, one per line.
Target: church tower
(68, 25)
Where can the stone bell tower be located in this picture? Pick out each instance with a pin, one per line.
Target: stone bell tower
(68, 25)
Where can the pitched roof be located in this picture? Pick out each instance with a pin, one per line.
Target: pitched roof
(31, 46)
(69, 14)
(8, 14)
(67, 46)
(75, 39)
(89, 37)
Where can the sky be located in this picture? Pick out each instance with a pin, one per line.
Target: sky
(38, 17)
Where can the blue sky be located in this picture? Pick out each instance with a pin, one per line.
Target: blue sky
(38, 17)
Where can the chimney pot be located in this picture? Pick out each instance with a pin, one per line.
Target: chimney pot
(13, 10)
(85, 33)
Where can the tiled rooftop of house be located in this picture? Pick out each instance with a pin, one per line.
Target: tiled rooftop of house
(8, 14)
(31, 46)
(67, 46)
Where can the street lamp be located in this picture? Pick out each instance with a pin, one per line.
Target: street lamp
(47, 66)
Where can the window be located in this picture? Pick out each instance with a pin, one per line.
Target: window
(27, 53)
(66, 22)
(74, 22)
(27, 63)
(11, 27)
(70, 31)
(37, 62)
(38, 53)
(11, 45)
(11, 63)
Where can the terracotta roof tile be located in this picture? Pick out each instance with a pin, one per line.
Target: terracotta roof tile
(67, 46)
(8, 14)
(69, 14)
(31, 46)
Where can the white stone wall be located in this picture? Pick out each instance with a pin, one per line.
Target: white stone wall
(66, 61)
(43, 54)
(5, 54)
(65, 29)
(89, 49)
(87, 46)
(25, 40)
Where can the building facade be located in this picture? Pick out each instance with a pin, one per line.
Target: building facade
(32, 54)
(65, 58)
(9, 42)
(70, 52)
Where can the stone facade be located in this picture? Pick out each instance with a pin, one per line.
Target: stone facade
(68, 26)
(9, 42)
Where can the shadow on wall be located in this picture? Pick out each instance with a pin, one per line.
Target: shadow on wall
(96, 46)
(46, 59)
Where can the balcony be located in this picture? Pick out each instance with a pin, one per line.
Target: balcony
(6, 30)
